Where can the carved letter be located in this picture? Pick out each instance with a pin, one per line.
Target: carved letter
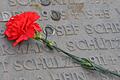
(18, 66)
(6, 15)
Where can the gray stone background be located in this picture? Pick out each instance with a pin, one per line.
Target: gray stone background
(87, 28)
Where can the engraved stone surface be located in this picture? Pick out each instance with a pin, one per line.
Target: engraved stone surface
(86, 28)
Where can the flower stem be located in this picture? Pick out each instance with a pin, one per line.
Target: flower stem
(105, 71)
(84, 62)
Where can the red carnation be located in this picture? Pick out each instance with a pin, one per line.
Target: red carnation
(22, 27)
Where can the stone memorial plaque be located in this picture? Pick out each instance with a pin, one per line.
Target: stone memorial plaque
(85, 28)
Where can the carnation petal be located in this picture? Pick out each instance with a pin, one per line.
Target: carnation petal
(37, 27)
(12, 38)
(30, 32)
(20, 39)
